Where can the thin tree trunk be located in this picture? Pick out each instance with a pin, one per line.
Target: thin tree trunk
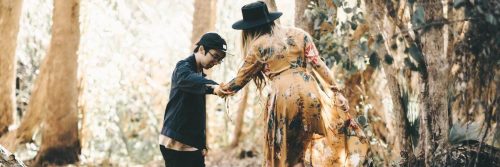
(9, 28)
(60, 142)
(239, 118)
(203, 19)
(301, 21)
(271, 5)
(33, 117)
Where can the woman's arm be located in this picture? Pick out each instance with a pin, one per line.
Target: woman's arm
(245, 73)
(313, 58)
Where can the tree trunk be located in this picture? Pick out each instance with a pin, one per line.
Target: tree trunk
(9, 27)
(435, 79)
(400, 111)
(382, 23)
(203, 19)
(402, 144)
(301, 21)
(239, 118)
(60, 142)
(271, 5)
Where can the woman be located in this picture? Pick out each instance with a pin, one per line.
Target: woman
(297, 108)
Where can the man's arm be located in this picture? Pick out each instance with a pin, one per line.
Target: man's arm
(189, 81)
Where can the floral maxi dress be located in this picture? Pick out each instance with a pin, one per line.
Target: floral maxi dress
(297, 108)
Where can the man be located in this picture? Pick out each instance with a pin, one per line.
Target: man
(183, 139)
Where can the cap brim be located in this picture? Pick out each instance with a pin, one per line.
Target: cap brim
(242, 24)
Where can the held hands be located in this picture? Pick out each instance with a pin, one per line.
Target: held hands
(221, 92)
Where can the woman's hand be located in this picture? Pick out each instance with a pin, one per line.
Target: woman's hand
(342, 101)
(335, 88)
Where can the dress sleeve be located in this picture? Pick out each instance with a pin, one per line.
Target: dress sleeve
(313, 58)
(246, 72)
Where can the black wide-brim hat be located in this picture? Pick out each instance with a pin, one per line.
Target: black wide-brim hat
(254, 15)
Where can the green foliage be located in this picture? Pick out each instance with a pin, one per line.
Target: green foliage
(374, 60)
(388, 59)
(490, 19)
(410, 65)
(334, 46)
(348, 10)
(416, 54)
(362, 120)
(379, 39)
(410, 2)
(418, 18)
(483, 39)
(349, 66)
(337, 3)
(458, 3)
(394, 47)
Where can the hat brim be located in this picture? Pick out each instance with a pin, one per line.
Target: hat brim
(242, 24)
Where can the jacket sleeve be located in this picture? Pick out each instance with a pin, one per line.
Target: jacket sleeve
(189, 81)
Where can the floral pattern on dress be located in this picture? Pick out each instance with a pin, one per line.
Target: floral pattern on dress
(297, 108)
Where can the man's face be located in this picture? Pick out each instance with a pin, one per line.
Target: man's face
(212, 58)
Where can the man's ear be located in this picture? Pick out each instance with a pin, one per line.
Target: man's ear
(201, 50)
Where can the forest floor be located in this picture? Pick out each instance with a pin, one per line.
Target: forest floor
(233, 158)
(225, 158)
(236, 157)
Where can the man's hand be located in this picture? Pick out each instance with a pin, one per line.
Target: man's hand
(221, 93)
(204, 152)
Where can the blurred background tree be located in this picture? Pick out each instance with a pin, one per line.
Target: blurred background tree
(10, 12)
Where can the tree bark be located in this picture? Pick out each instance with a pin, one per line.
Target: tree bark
(9, 28)
(435, 79)
(271, 5)
(60, 142)
(386, 25)
(301, 21)
(239, 118)
(203, 19)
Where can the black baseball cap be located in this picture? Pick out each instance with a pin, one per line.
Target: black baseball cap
(213, 40)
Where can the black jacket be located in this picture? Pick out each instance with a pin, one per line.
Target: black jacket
(185, 114)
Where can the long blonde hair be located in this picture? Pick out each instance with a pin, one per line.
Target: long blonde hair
(248, 36)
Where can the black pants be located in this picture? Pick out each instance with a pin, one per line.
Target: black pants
(175, 158)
